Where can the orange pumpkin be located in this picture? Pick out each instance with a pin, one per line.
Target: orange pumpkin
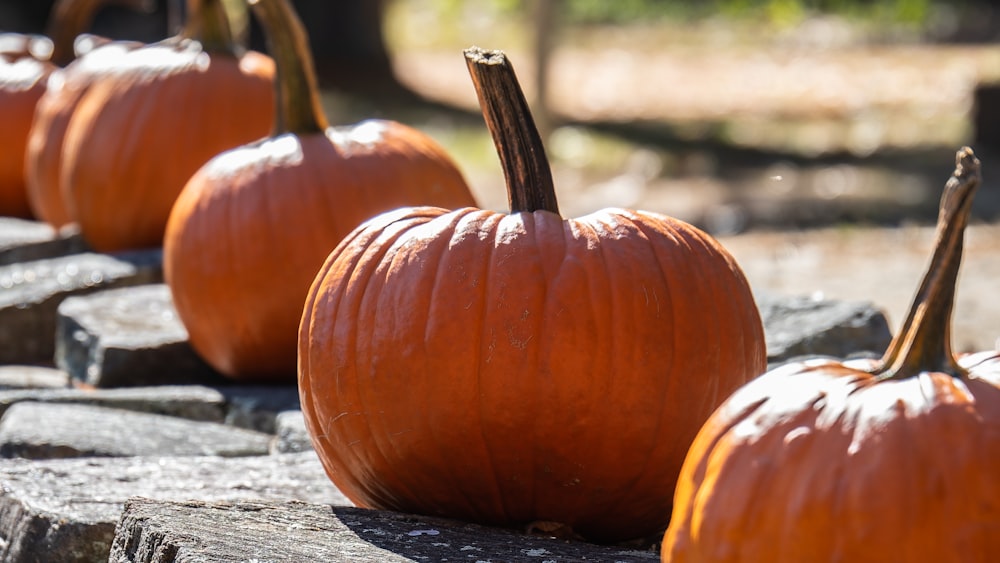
(26, 61)
(22, 82)
(890, 460)
(253, 226)
(96, 56)
(139, 132)
(521, 369)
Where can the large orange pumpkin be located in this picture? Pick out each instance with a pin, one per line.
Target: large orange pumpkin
(521, 369)
(861, 461)
(253, 226)
(25, 65)
(138, 133)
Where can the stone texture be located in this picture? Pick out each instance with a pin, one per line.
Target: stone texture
(170, 532)
(258, 406)
(32, 377)
(802, 326)
(127, 337)
(66, 510)
(22, 240)
(291, 434)
(44, 431)
(31, 291)
(192, 402)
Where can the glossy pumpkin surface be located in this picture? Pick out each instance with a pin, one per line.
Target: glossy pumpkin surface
(521, 368)
(865, 460)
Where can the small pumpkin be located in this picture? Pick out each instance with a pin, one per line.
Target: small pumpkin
(26, 61)
(139, 132)
(894, 459)
(253, 226)
(521, 369)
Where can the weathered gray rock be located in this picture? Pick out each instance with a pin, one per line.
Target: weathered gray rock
(192, 402)
(258, 406)
(45, 431)
(291, 434)
(32, 377)
(22, 240)
(169, 532)
(127, 337)
(800, 326)
(66, 510)
(30, 292)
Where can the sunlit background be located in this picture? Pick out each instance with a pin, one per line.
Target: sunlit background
(812, 137)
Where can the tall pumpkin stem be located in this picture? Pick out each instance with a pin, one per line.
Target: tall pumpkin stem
(208, 23)
(298, 102)
(522, 154)
(70, 18)
(923, 343)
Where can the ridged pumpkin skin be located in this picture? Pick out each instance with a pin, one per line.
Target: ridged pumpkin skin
(254, 225)
(820, 446)
(137, 137)
(509, 369)
(864, 461)
(22, 83)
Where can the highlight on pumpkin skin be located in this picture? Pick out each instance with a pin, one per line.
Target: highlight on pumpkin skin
(862, 460)
(521, 369)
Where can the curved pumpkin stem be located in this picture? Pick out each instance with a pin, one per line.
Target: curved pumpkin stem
(208, 23)
(923, 343)
(298, 102)
(522, 154)
(70, 18)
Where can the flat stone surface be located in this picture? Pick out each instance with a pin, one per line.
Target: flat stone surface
(31, 291)
(801, 325)
(192, 402)
(32, 377)
(291, 434)
(167, 532)
(66, 510)
(22, 240)
(45, 431)
(127, 337)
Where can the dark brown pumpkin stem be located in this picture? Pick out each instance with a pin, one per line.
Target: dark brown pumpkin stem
(923, 343)
(298, 102)
(522, 154)
(70, 18)
(208, 23)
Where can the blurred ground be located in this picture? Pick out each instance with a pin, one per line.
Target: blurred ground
(816, 158)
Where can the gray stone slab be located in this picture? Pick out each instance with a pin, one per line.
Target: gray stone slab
(170, 532)
(192, 402)
(66, 510)
(291, 435)
(127, 337)
(23, 240)
(802, 326)
(258, 406)
(32, 377)
(46, 431)
(31, 291)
